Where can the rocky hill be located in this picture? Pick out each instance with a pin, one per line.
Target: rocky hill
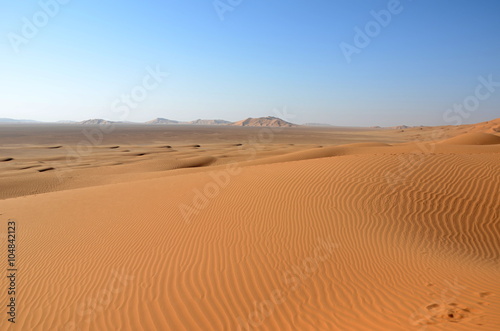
(268, 121)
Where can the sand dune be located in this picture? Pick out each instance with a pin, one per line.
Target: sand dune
(476, 138)
(492, 126)
(383, 235)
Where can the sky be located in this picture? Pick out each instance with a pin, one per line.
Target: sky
(341, 62)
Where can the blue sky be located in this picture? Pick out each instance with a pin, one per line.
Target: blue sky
(263, 55)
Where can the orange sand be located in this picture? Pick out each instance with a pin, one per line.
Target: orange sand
(307, 229)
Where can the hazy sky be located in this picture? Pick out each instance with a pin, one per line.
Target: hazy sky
(231, 59)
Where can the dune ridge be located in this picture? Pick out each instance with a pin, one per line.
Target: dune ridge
(473, 138)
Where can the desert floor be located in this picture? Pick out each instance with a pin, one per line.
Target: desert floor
(135, 227)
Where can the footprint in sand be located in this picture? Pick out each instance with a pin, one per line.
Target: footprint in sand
(484, 294)
(441, 313)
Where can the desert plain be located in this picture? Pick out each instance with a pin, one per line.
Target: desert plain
(183, 227)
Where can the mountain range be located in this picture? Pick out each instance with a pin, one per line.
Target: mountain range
(261, 121)
(268, 121)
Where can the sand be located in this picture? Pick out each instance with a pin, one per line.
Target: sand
(224, 228)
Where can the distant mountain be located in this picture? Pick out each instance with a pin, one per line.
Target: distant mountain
(400, 127)
(268, 121)
(160, 120)
(209, 122)
(316, 124)
(96, 121)
(12, 120)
